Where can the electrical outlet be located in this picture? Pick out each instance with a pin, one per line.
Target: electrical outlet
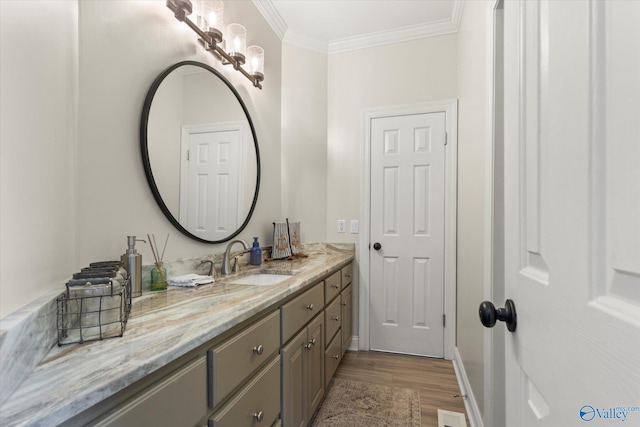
(354, 226)
(341, 225)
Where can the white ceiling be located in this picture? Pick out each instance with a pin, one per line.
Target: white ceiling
(340, 25)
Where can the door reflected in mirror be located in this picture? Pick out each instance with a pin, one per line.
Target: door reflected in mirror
(200, 152)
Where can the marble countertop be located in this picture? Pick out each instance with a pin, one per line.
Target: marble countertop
(162, 327)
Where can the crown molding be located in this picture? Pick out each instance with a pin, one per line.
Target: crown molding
(398, 35)
(413, 32)
(305, 42)
(271, 15)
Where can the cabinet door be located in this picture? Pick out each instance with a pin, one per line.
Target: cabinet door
(294, 384)
(315, 364)
(347, 321)
(179, 399)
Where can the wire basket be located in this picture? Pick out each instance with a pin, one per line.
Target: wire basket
(94, 311)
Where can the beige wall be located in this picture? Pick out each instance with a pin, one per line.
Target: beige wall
(375, 77)
(38, 75)
(471, 191)
(304, 140)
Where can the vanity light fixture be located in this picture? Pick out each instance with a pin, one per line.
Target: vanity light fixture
(209, 17)
(255, 63)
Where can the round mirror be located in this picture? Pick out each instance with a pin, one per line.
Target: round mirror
(200, 152)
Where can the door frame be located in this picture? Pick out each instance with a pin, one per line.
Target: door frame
(450, 108)
(494, 285)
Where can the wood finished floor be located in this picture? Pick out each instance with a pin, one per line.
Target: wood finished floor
(434, 378)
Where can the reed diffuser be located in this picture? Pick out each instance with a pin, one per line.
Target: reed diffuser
(158, 272)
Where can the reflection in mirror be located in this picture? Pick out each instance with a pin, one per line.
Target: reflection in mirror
(200, 153)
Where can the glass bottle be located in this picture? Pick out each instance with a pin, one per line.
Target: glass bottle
(158, 281)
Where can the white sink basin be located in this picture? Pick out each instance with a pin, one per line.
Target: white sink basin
(261, 279)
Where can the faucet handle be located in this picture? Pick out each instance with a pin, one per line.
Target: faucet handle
(234, 268)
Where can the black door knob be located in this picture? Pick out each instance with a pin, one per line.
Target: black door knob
(377, 246)
(489, 314)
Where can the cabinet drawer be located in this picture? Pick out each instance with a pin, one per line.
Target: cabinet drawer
(332, 286)
(260, 398)
(347, 273)
(332, 358)
(332, 319)
(179, 399)
(297, 312)
(234, 360)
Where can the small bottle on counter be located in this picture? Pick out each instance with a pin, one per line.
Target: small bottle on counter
(132, 262)
(158, 277)
(255, 254)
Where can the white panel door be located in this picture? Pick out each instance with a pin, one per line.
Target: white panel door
(210, 195)
(407, 221)
(572, 218)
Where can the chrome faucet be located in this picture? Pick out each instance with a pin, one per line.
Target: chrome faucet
(226, 269)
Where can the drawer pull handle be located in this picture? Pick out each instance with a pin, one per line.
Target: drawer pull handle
(348, 276)
(259, 416)
(310, 307)
(344, 303)
(336, 357)
(336, 318)
(337, 286)
(258, 350)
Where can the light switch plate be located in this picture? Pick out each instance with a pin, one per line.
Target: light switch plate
(354, 226)
(341, 226)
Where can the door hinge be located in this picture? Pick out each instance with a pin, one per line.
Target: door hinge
(446, 138)
(188, 155)
(444, 320)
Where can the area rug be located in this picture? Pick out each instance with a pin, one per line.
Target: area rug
(358, 404)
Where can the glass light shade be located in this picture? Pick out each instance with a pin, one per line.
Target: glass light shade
(255, 61)
(210, 15)
(236, 41)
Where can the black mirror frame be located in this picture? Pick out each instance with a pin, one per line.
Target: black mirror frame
(144, 121)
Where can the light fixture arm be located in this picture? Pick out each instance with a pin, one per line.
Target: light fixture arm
(182, 8)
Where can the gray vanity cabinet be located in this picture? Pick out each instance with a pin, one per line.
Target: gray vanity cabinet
(272, 370)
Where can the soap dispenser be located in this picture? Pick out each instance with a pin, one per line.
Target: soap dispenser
(255, 254)
(132, 262)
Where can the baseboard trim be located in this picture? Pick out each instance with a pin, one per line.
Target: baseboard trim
(470, 404)
(354, 343)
